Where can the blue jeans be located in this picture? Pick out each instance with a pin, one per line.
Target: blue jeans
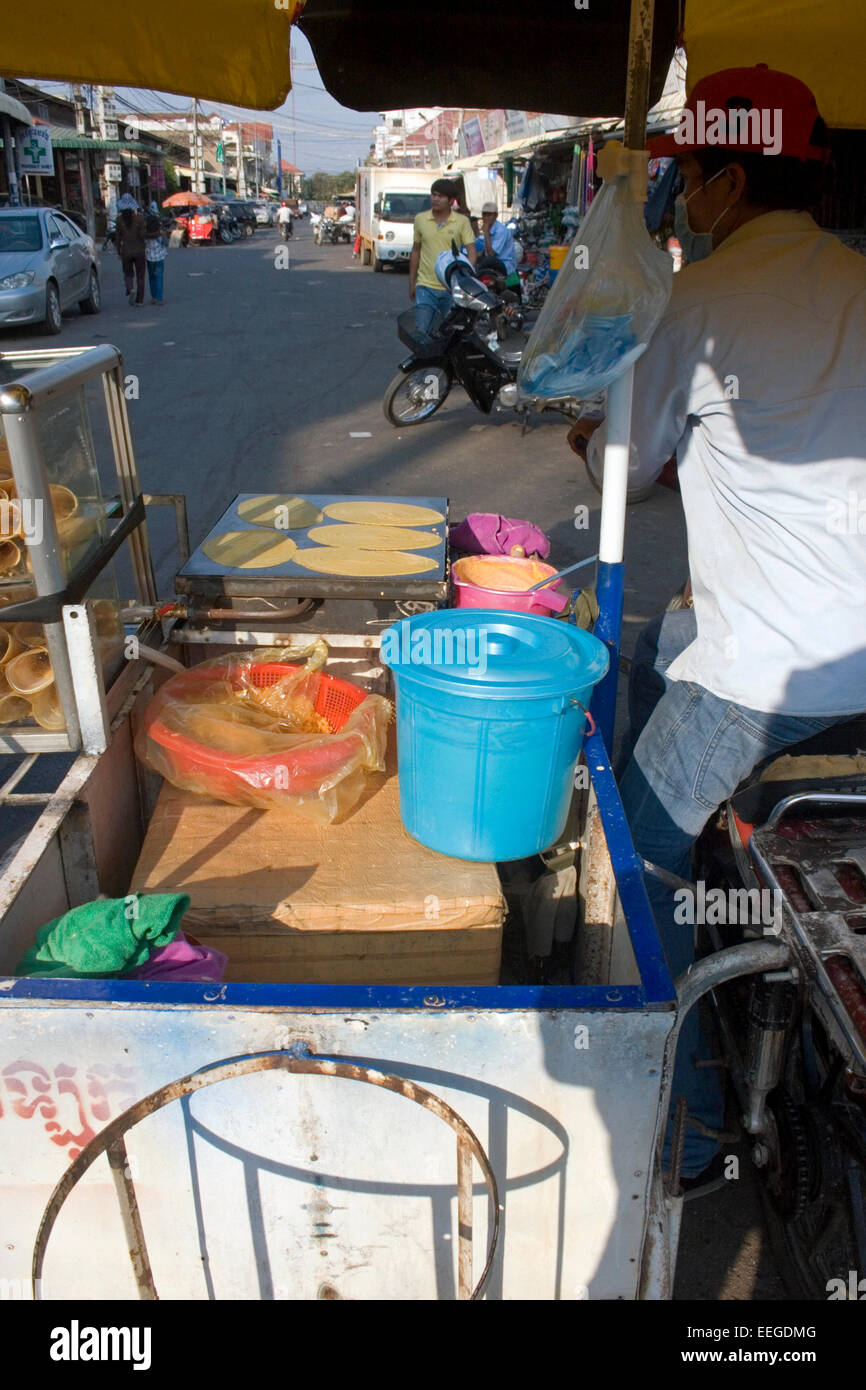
(427, 302)
(155, 271)
(690, 752)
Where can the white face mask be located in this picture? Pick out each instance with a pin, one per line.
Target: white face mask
(696, 245)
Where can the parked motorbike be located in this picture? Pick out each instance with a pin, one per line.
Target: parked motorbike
(463, 346)
(794, 1039)
(230, 228)
(325, 230)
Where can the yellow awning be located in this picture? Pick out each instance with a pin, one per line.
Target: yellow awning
(822, 44)
(233, 51)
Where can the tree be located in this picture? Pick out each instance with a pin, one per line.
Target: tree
(172, 182)
(325, 186)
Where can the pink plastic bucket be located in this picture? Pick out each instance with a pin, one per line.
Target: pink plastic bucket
(543, 602)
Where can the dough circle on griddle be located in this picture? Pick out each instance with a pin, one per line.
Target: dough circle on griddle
(383, 513)
(349, 537)
(275, 509)
(250, 550)
(331, 559)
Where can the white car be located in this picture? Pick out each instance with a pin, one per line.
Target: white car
(47, 264)
(266, 213)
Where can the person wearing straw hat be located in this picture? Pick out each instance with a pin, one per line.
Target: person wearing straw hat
(755, 380)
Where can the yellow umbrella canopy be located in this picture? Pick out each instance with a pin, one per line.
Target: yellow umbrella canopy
(550, 56)
(373, 55)
(823, 45)
(233, 51)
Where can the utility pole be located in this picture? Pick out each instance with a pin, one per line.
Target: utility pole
(85, 172)
(196, 174)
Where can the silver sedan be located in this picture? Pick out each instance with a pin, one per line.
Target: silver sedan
(47, 264)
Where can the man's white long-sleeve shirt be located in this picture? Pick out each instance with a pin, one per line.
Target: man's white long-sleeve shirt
(756, 379)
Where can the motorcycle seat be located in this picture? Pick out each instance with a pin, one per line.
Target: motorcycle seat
(833, 760)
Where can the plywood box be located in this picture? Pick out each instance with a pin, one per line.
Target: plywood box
(356, 903)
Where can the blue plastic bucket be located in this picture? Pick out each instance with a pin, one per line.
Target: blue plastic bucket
(490, 724)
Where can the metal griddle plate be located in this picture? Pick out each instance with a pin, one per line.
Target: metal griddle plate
(204, 578)
(802, 855)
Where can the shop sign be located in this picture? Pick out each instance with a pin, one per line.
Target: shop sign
(35, 151)
(70, 160)
(493, 129)
(113, 172)
(472, 136)
(516, 124)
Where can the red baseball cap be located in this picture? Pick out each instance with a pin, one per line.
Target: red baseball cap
(756, 110)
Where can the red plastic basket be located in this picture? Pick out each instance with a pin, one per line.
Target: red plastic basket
(308, 768)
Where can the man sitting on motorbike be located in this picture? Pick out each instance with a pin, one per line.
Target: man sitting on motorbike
(495, 247)
(284, 220)
(434, 232)
(756, 380)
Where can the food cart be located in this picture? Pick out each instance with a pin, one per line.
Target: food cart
(254, 1139)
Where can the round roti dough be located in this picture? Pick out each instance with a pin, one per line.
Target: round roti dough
(332, 559)
(250, 550)
(278, 510)
(383, 514)
(347, 536)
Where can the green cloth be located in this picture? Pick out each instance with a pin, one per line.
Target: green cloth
(106, 937)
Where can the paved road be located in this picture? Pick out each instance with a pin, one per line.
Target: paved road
(253, 378)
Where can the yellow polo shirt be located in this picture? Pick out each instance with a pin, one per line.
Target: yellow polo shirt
(434, 239)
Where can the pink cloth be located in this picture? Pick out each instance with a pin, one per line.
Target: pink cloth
(488, 533)
(181, 959)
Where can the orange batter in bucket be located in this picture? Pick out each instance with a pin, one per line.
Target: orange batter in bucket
(501, 572)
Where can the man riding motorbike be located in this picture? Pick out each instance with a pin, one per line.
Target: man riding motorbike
(756, 380)
(284, 220)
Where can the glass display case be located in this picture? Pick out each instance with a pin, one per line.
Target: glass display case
(59, 536)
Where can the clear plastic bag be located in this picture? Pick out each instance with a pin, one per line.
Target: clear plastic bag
(265, 734)
(604, 306)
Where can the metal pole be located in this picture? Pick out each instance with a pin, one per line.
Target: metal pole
(611, 571)
(279, 168)
(11, 172)
(640, 42)
(195, 169)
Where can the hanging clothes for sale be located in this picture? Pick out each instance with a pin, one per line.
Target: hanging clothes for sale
(590, 172)
(532, 189)
(572, 196)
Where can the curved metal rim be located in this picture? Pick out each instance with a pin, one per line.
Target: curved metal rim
(425, 413)
(305, 1064)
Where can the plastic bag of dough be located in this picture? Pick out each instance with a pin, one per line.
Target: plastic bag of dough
(266, 734)
(604, 306)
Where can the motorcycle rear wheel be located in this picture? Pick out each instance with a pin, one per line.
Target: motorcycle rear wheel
(413, 397)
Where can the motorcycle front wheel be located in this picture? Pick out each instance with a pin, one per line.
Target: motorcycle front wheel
(413, 397)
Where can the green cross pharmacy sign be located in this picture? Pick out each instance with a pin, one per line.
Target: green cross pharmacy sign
(35, 151)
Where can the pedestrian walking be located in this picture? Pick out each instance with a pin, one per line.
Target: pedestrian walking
(129, 238)
(155, 253)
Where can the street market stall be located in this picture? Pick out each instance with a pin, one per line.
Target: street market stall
(557, 1093)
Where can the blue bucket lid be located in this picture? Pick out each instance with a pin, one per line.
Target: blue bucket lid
(485, 651)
